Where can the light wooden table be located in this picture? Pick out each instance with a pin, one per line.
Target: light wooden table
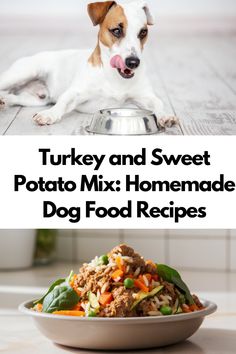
(195, 76)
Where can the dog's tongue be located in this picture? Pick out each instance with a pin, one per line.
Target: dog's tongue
(118, 63)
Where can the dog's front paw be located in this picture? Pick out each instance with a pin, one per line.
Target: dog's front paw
(45, 118)
(167, 121)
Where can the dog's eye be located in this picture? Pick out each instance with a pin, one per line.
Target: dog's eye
(117, 32)
(143, 33)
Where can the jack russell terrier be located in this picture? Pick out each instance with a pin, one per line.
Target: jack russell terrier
(112, 76)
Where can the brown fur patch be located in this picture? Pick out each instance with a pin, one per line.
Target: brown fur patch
(95, 59)
(98, 10)
(114, 18)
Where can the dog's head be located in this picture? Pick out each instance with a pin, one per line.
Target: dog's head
(123, 31)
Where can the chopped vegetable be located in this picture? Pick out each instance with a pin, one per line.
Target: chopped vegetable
(166, 310)
(93, 301)
(139, 284)
(117, 275)
(38, 307)
(62, 297)
(185, 308)
(193, 307)
(105, 298)
(56, 283)
(176, 306)
(120, 263)
(92, 314)
(70, 276)
(77, 307)
(72, 280)
(155, 291)
(129, 283)
(103, 260)
(142, 295)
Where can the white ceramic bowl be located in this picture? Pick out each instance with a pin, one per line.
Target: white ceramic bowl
(118, 333)
(16, 249)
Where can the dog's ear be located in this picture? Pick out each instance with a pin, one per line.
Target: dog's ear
(98, 11)
(150, 17)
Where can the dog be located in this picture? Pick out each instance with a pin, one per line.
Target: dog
(113, 75)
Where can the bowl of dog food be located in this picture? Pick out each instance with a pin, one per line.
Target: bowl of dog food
(119, 301)
(124, 121)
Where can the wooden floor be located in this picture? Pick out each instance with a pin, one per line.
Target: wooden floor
(195, 75)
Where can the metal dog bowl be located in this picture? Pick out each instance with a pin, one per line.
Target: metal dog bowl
(123, 121)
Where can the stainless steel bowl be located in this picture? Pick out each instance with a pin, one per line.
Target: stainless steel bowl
(123, 121)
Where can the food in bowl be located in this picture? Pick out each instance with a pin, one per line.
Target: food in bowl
(120, 284)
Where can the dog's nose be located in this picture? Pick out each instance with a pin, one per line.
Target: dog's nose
(132, 62)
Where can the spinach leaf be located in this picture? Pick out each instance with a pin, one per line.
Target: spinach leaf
(62, 297)
(56, 283)
(172, 276)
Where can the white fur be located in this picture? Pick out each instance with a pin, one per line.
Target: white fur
(73, 83)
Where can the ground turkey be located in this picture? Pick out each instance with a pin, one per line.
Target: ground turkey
(169, 289)
(121, 305)
(92, 279)
(124, 250)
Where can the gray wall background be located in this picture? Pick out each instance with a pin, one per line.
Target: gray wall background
(165, 8)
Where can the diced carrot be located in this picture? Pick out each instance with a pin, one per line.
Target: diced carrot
(139, 284)
(151, 263)
(73, 280)
(148, 277)
(70, 313)
(193, 307)
(105, 298)
(77, 307)
(39, 307)
(117, 275)
(186, 308)
(120, 264)
(140, 277)
(74, 286)
(77, 290)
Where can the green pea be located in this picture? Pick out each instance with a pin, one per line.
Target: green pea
(92, 314)
(128, 283)
(103, 260)
(166, 310)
